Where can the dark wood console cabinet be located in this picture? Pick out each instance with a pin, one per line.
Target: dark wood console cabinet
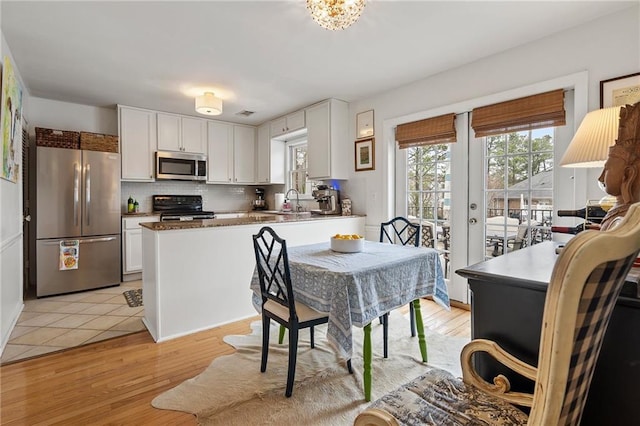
(507, 301)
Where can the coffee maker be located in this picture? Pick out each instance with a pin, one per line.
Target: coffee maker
(328, 200)
(259, 203)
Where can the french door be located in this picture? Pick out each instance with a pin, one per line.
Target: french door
(479, 198)
(431, 189)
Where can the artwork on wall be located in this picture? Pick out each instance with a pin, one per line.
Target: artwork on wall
(364, 124)
(620, 91)
(365, 155)
(11, 123)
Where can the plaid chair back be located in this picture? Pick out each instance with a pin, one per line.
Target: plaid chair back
(594, 311)
(400, 231)
(272, 263)
(585, 284)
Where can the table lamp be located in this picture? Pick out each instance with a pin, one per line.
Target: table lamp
(589, 148)
(611, 136)
(590, 145)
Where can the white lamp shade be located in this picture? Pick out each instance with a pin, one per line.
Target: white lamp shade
(590, 145)
(208, 104)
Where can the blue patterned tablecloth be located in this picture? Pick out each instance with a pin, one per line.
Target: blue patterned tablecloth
(356, 288)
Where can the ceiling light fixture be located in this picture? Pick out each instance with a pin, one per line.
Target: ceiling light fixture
(208, 104)
(335, 14)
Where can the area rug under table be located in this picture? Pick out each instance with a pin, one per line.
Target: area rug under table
(232, 391)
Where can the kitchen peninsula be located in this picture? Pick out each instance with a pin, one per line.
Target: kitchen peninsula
(196, 274)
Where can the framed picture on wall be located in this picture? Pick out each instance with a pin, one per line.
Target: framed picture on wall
(10, 123)
(364, 124)
(365, 155)
(620, 91)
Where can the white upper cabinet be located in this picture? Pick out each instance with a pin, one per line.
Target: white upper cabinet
(220, 152)
(244, 154)
(179, 133)
(231, 153)
(327, 134)
(138, 140)
(194, 135)
(288, 124)
(270, 158)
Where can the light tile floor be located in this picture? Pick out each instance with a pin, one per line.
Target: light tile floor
(60, 322)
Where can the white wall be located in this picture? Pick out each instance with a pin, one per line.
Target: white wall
(11, 258)
(605, 48)
(67, 116)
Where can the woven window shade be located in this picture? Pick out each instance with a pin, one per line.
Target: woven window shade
(441, 129)
(532, 112)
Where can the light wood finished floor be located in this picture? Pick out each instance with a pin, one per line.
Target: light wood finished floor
(114, 381)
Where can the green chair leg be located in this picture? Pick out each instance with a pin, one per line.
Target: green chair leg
(366, 355)
(281, 336)
(420, 326)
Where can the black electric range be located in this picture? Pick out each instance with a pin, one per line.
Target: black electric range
(180, 207)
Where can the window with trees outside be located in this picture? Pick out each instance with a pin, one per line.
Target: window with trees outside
(518, 189)
(297, 169)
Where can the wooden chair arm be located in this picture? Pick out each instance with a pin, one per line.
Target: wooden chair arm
(375, 417)
(501, 386)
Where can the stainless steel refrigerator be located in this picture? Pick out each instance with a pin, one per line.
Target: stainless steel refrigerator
(77, 206)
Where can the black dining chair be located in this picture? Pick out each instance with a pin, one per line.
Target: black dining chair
(278, 300)
(399, 231)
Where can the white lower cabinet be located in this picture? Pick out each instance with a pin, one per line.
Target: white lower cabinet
(132, 245)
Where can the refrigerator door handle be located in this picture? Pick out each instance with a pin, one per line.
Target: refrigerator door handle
(87, 193)
(96, 240)
(76, 193)
(81, 241)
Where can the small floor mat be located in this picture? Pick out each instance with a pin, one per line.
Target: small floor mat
(133, 297)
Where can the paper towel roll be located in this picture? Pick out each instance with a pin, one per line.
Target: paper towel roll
(278, 200)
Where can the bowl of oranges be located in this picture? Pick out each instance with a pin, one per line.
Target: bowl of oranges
(347, 243)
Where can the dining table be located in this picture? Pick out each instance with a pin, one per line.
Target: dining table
(357, 288)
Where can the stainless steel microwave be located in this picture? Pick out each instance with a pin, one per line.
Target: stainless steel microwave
(181, 166)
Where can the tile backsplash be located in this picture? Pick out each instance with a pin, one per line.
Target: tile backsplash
(214, 197)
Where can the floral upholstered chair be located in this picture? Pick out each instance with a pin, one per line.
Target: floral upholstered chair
(586, 280)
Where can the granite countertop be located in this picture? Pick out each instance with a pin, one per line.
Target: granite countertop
(140, 214)
(255, 218)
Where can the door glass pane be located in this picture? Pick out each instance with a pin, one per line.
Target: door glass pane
(518, 190)
(495, 173)
(429, 195)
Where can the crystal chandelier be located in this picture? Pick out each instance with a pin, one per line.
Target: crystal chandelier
(335, 14)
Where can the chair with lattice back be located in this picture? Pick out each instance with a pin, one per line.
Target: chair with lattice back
(427, 235)
(399, 231)
(586, 281)
(278, 300)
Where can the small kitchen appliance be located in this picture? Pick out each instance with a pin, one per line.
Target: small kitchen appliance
(328, 200)
(259, 203)
(180, 207)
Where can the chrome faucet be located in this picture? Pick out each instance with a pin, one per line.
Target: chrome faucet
(286, 196)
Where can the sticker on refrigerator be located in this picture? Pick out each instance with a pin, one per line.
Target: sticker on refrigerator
(69, 253)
